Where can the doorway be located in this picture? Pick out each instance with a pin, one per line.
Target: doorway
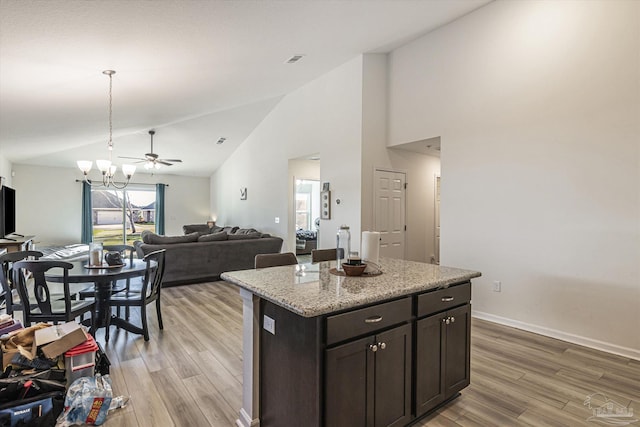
(304, 204)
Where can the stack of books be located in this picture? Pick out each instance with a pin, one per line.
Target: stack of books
(8, 324)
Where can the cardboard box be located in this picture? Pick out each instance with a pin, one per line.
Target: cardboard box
(57, 339)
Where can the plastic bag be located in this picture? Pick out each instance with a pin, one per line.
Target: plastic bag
(88, 401)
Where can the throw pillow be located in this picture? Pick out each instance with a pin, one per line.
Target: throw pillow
(213, 237)
(245, 231)
(196, 228)
(155, 239)
(230, 230)
(245, 236)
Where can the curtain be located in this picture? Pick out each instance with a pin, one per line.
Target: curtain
(160, 208)
(86, 235)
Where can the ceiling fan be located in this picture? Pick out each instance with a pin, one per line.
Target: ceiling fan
(151, 160)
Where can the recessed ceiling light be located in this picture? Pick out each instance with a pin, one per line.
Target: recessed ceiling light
(294, 59)
(221, 140)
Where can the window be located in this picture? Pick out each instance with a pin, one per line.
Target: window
(307, 203)
(119, 216)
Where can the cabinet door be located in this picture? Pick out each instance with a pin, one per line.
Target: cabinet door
(349, 370)
(457, 350)
(429, 360)
(392, 403)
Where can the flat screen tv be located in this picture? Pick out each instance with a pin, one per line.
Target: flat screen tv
(7, 211)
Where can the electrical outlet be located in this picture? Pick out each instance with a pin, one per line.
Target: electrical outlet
(269, 324)
(277, 220)
(497, 286)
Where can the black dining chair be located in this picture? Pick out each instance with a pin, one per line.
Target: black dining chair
(6, 277)
(148, 293)
(275, 260)
(29, 278)
(319, 255)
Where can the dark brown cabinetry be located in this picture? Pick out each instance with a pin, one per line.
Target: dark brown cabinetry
(442, 348)
(368, 381)
(376, 366)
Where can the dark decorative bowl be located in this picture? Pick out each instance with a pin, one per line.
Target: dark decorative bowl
(353, 270)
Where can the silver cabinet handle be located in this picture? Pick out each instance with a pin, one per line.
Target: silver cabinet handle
(382, 345)
(373, 319)
(447, 320)
(373, 347)
(453, 319)
(447, 299)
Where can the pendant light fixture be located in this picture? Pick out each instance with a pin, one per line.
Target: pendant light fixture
(106, 167)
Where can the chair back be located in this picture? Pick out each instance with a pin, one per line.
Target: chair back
(274, 260)
(123, 249)
(319, 255)
(24, 272)
(152, 283)
(6, 275)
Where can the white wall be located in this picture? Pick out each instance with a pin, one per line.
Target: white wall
(5, 170)
(538, 107)
(322, 117)
(48, 202)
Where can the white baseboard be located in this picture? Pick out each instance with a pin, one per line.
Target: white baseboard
(245, 420)
(564, 336)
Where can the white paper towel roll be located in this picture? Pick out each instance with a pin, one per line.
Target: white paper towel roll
(370, 247)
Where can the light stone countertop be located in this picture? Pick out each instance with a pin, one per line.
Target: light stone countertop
(309, 290)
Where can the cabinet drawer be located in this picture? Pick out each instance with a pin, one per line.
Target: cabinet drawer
(443, 299)
(367, 320)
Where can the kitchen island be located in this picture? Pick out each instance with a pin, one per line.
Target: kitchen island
(321, 349)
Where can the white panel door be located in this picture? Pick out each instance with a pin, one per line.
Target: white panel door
(389, 212)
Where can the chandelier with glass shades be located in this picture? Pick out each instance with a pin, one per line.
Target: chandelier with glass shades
(106, 167)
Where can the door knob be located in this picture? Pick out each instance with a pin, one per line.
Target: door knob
(382, 345)
(453, 319)
(447, 320)
(373, 347)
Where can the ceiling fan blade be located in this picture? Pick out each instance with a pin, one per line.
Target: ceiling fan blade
(162, 162)
(132, 158)
(172, 160)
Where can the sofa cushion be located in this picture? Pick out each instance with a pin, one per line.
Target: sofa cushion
(196, 228)
(153, 238)
(255, 235)
(213, 237)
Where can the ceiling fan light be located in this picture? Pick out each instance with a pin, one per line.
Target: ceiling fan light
(157, 165)
(128, 170)
(103, 165)
(148, 165)
(85, 165)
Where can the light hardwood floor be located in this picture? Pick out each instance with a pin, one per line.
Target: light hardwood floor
(190, 374)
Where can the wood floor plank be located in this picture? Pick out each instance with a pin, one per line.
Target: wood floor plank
(191, 373)
(183, 409)
(148, 406)
(216, 409)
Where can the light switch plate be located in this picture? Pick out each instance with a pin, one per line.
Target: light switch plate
(269, 324)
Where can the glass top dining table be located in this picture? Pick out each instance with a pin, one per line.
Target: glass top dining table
(103, 279)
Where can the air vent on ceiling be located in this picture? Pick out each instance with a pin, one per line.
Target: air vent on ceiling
(221, 140)
(294, 59)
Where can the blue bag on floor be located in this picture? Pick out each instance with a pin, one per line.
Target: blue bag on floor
(38, 411)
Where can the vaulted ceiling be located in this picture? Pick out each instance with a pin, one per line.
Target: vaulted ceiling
(193, 70)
